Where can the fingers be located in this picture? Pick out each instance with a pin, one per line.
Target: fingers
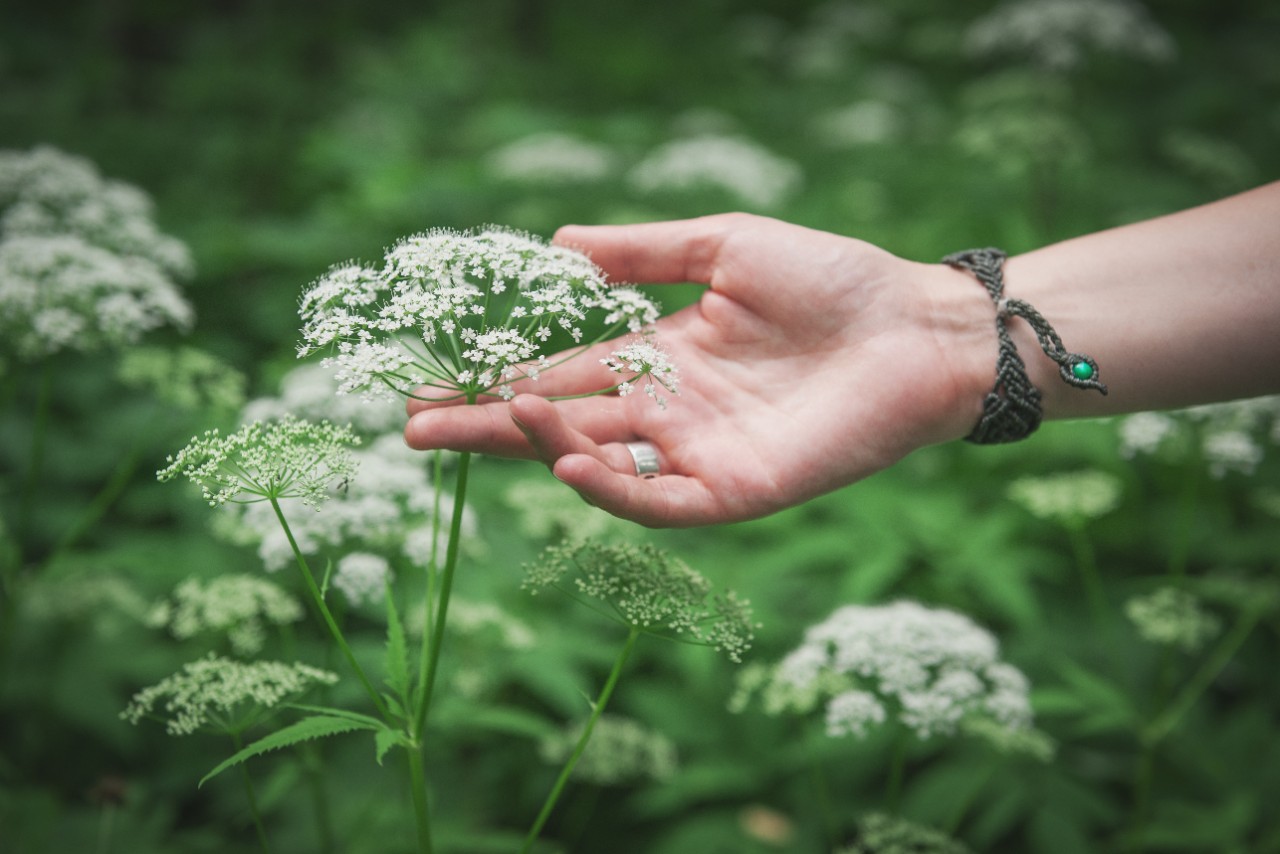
(656, 252)
(664, 502)
(493, 429)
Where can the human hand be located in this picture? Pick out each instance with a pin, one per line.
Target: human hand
(811, 361)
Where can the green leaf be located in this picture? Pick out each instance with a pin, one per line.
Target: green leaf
(319, 726)
(397, 660)
(366, 721)
(384, 740)
(324, 582)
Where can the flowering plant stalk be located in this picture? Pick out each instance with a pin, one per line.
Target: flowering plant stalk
(648, 592)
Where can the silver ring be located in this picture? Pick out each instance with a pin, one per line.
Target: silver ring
(645, 456)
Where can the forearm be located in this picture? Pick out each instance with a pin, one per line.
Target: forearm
(1179, 310)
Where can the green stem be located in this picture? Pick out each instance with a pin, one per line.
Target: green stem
(35, 456)
(897, 766)
(328, 615)
(421, 809)
(1167, 720)
(101, 503)
(253, 798)
(311, 761)
(596, 711)
(822, 800)
(1181, 548)
(446, 589)
(106, 828)
(1087, 563)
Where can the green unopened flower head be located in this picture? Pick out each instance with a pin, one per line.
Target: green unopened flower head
(621, 750)
(461, 314)
(222, 695)
(1172, 617)
(644, 588)
(281, 459)
(240, 606)
(184, 377)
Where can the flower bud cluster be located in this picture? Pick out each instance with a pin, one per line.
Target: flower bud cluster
(1172, 617)
(621, 750)
(1069, 499)
(240, 606)
(279, 459)
(213, 693)
(647, 589)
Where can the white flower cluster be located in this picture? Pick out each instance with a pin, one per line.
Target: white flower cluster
(241, 606)
(472, 618)
(885, 834)
(82, 264)
(184, 377)
(551, 158)
(1070, 498)
(548, 510)
(649, 590)
(1057, 34)
(388, 511)
(211, 693)
(309, 391)
(1172, 617)
(289, 458)
(621, 750)
(735, 165)
(644, 359)
(1231, 437)
(865, 122)
(362, 577)
(463, 313)
(930, 669)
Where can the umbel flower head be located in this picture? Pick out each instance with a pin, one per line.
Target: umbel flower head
(222, 695)
(240, 606)
(644, 588)
(461, 313)
(82, 264)
(928, 668)
(621, 750)
(280, 459)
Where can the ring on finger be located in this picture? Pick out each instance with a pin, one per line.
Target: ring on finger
(645, 457)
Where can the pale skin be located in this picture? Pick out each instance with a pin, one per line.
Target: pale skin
(814, 360)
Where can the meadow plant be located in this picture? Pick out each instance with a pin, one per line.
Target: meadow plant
(237, 606)
(1173, 617)
(737, 166)
(551, 158)
(621, 750)
(646, 591)
(184, 377)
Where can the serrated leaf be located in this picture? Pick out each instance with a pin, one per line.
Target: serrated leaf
(366, 721)
(384, 740)
(397, 658)
(307, 729)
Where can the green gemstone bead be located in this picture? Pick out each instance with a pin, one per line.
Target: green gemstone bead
(1082, 371)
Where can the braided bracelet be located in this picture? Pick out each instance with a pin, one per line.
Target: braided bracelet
(1011, 410)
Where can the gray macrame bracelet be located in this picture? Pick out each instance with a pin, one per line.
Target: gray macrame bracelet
(1011, 410)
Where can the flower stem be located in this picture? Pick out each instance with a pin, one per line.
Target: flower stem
(596, 711)
(328, 615)
(35, 455)
(253, 799)
(1087, 563)
(1167, 720)
(446, 588)
(897, 765)
(421, 809)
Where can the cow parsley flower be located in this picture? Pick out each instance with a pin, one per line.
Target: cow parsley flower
(387, 510)
(82, 264)
(280, 459)
(735, 165)
(461, 313)
(184, 377)
(551, 158)
(241, 606)
(1057, 34)
(645, 362)
(1069, 499)
(362, 577)
(621, 750)
(310, 391)
(222, 695)
(644, 588)
(884, 834)
(929, 669)
(1172, 617)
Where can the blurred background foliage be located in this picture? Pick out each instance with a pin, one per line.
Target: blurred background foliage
(278, 138)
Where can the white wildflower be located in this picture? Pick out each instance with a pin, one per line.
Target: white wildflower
(929, 669)
(471, 618)
(551, 158)
(1172, 617)
(281, 459)
(222, 695)
(735, 165)
(460, 313)
(1231, 450)
(1143, 433)
(362, 577)
(642, 358)
(620, 750)
(1071, 498)
(1057, 34)
(866, 122)
(241, 606)
(309, 391)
